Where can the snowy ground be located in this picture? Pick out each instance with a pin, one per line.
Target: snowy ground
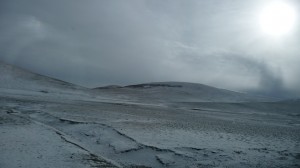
(44, 131)
(50, 123)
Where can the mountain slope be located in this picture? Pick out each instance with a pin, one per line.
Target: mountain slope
(12, 77)
(180, 92)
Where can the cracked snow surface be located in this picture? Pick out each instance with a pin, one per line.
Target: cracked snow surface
(73, 133)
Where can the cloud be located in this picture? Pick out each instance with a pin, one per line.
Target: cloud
(94, 43)
(230, 70)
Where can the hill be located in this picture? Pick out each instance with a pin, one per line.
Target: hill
(15, 78)
(179, 92)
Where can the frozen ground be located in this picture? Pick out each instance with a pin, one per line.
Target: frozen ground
(55, 124)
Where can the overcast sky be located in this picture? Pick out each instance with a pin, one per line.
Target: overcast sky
(98, 42)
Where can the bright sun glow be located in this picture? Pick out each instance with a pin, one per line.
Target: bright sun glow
(277, 19)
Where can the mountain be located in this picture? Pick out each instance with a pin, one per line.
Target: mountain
(180, 92)
(15, 78)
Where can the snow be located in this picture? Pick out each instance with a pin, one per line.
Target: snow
(16, 78)
(164, 92)
(168, 124)
(27, 144)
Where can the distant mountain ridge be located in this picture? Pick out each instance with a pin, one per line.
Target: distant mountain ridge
(180, 92)
(12, 77)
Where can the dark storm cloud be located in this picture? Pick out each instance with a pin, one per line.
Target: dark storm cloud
(97, 42)
(106, 39)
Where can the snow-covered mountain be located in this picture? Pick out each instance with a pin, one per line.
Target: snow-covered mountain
(12, 77)
(180, 92)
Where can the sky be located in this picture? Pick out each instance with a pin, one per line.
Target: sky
(101, 42)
